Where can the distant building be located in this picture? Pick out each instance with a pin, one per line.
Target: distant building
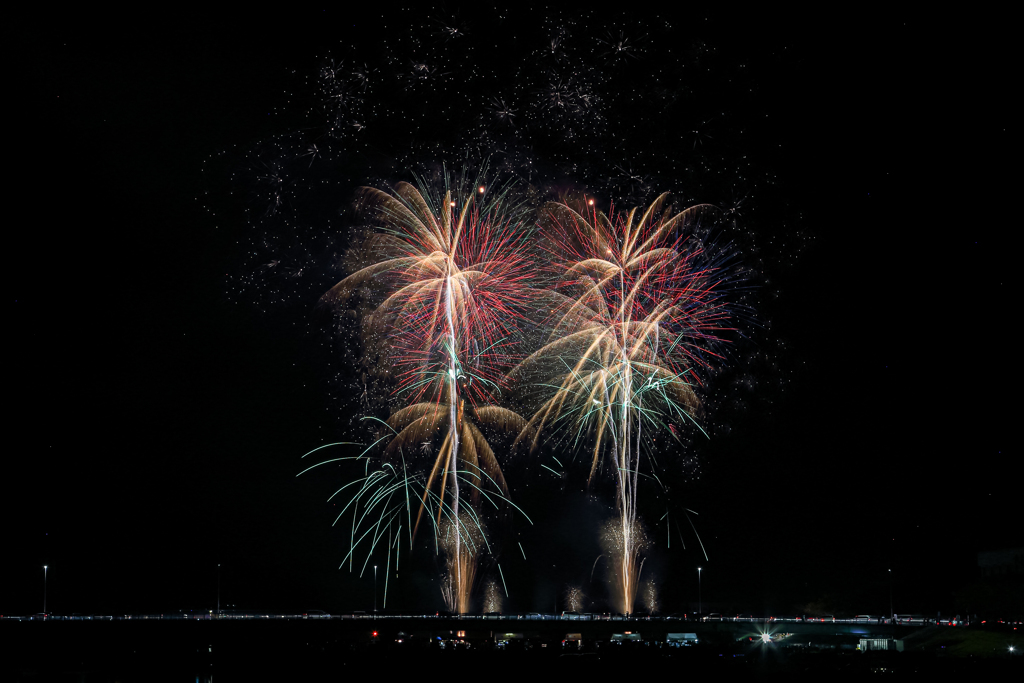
(995, 563)
(868, 644)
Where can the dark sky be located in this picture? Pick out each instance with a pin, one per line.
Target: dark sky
(156, 423)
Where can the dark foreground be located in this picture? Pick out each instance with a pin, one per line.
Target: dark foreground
(331, 650)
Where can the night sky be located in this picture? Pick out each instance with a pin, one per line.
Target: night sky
(161, 390)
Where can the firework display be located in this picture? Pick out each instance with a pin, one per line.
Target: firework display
(632, 312)
(636, 314)
(530, 311)
(497, 314)
(443, 277)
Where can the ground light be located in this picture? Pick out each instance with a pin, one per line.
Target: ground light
(700, 604)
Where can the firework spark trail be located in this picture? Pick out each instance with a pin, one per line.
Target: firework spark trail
(446, 284)
(453, 391)
(381, 508)
(635, 312)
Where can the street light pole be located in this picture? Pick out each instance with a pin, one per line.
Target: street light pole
(891, 613)
(700, 603)
(44, 589)
(218, 588)
(374, 591)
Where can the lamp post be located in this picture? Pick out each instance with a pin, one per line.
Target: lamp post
(700, 603)
(892, 614)
(374, 591)
(44, 590)
(218, 588)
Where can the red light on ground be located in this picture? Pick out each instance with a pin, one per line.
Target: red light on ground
(374, 634)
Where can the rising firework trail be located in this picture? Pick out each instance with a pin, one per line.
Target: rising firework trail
(636, 315)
